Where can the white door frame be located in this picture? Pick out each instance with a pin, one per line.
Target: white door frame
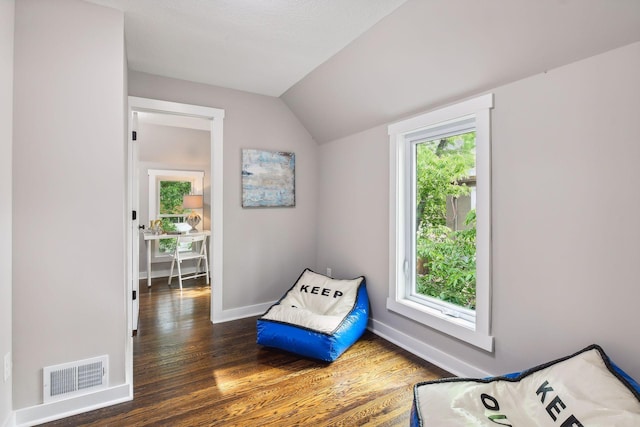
(216, 119)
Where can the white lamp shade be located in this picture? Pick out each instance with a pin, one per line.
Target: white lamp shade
(192, 201)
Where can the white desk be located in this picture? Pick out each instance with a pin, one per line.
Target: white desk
(150, 237)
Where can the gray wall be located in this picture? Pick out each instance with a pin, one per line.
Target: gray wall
(265, 250)
(565, 156)
(69, 176)
(6, 130)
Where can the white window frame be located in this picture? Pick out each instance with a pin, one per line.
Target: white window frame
(403, 135)
(157, 175)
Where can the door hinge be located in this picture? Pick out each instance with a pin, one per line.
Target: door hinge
(135, 295)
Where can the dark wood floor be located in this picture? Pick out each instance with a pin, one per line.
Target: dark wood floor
(189, 372)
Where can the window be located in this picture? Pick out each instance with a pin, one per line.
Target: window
(166, 188)
(440, 220)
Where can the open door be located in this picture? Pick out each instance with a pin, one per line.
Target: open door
(134, 194)
(215, 117)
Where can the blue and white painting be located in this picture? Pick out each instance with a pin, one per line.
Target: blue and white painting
(268, 179)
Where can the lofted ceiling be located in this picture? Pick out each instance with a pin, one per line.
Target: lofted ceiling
(429, 53)
(343, 66)
(259, 46)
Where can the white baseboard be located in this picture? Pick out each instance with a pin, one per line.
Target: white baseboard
(431, 354)
(65, 408)
(164, 272)
(10, 421)
(243, 312)
(424, 351)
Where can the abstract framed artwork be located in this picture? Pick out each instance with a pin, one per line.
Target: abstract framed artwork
(268, 179)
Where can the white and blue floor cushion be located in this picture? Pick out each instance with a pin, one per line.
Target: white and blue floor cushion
(584, 389)
(319, 317)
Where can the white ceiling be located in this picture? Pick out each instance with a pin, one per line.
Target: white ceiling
(259, 46)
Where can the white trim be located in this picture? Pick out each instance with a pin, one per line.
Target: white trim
(443, 114)
(216, 122)
(10, 421)
(65, 408)
(243, 312)
(168, 107)
(215, 242)
(164, 272)
(177, 173)
(477, 333)
(453, 326)
(426, 352)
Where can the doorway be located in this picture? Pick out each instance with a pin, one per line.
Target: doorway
(213, 117)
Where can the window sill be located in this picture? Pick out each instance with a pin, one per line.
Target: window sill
(455, 327)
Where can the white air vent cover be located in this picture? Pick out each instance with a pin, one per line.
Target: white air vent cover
(75, 378)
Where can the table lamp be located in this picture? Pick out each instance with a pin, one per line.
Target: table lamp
(191, 201)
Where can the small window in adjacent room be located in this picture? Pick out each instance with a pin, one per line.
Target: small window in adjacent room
(440, 220)
(166, 189)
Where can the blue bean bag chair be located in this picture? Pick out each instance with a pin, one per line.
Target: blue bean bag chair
(319, 317)
(584, 389)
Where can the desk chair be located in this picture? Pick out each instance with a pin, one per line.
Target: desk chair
(198, 251)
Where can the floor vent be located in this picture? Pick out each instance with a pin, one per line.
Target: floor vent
(75, 378)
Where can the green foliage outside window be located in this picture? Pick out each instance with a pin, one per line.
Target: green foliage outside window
(171, 193)
(446, 258)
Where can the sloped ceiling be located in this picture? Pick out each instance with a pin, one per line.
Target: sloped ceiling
(259, 46)
(344, 66)
(432, 52)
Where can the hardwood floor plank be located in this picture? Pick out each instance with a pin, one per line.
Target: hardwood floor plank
(189, 372)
